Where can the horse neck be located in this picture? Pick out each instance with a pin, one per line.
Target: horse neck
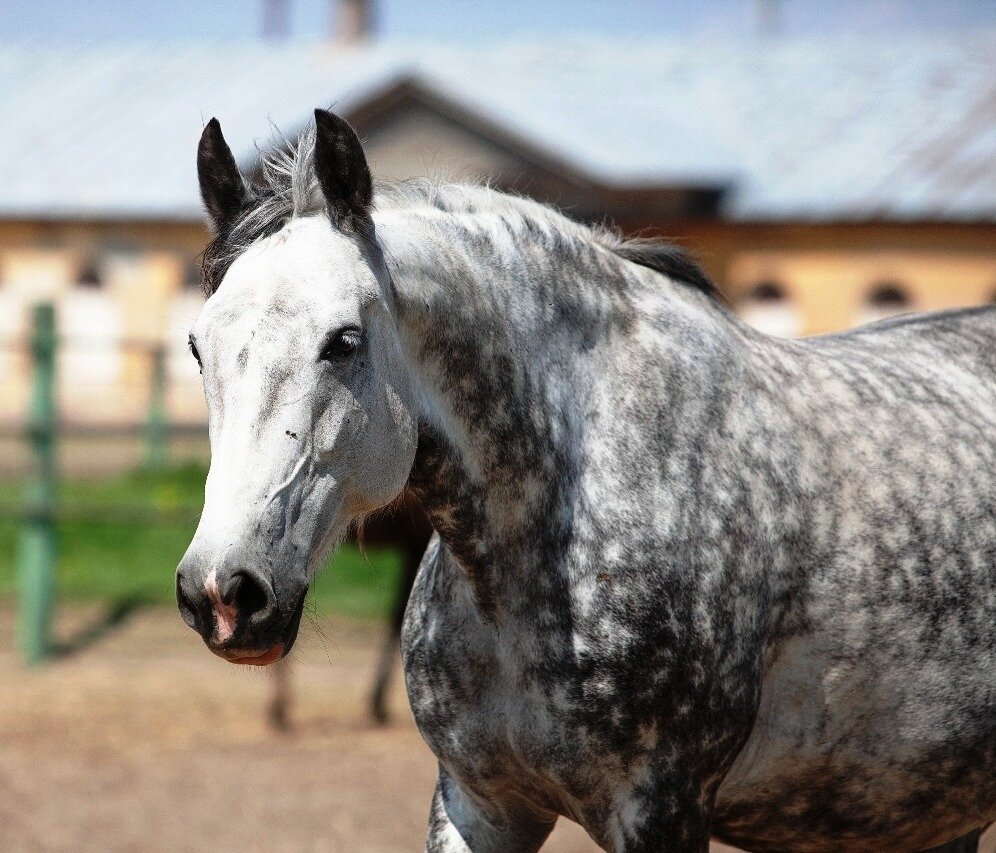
(493, 329)
(526, 360)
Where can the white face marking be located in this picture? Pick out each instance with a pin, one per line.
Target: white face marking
(300, 445)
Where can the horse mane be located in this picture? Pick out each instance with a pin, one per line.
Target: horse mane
(667, 259)
(284, 186)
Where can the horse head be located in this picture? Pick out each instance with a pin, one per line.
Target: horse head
(311, 410)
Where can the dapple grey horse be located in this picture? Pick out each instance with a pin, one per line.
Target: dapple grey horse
(689, 580)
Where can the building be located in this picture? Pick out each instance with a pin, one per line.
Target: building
(822, 184)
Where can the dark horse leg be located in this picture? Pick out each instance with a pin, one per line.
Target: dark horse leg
(407, 529)
(392, 637)
(278, 709)
(966, 844)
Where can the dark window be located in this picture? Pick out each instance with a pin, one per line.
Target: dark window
(90, 276)
(888, 296)
(768, 307)
(766, 291)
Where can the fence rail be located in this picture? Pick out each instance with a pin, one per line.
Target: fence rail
(120, 513)
(141, 387)
(98, 430)
(40, 510)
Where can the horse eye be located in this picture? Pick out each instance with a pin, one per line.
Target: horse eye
(341, 345)
(193, 351)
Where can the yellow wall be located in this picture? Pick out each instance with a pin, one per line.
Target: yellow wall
(831, 289)
(826, 270)
(143, 268)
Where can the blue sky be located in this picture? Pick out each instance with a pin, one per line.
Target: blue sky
(461, 20)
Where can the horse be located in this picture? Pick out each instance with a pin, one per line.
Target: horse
(688, 580)
(404, 528)
(407, 530)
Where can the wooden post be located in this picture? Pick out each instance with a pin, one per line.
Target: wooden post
(157, 426)
(37, 546)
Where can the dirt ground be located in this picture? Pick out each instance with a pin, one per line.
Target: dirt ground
(145, 741)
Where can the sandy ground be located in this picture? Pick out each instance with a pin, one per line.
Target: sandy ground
(145, 741)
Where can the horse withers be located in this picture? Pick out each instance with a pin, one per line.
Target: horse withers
(689, 580)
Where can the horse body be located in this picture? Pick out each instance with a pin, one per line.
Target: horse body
(800, 527)
(877, 694)
(688, 579)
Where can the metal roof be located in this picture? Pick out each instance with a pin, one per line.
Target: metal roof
(797, 129)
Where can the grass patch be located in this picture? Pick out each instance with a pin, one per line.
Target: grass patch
(122, 537)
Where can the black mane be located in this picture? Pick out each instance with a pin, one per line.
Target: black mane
(669, 260)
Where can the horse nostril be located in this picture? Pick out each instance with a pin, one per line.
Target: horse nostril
(252, 596)
(187, 605)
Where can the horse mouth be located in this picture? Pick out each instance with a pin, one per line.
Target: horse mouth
(251, 658)
(265, 656)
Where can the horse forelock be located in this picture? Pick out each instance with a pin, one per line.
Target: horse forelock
(285, 186)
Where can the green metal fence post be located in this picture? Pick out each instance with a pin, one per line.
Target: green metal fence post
(157, 426)
(36, 553)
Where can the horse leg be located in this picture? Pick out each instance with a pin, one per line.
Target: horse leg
(392, 639)
(382, 678)
(457, 824)
(966, 844)
(278, 710)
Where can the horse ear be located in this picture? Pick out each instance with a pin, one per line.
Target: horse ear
(341, 167)
(223, 188)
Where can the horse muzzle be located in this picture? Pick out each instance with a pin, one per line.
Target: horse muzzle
(237, 614)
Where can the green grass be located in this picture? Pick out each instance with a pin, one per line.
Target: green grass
(121, 537)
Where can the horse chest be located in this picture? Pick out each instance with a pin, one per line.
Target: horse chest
(526, 708)
(493, 703)
(475, 701)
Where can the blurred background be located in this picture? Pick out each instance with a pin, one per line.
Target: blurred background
(829, 163)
